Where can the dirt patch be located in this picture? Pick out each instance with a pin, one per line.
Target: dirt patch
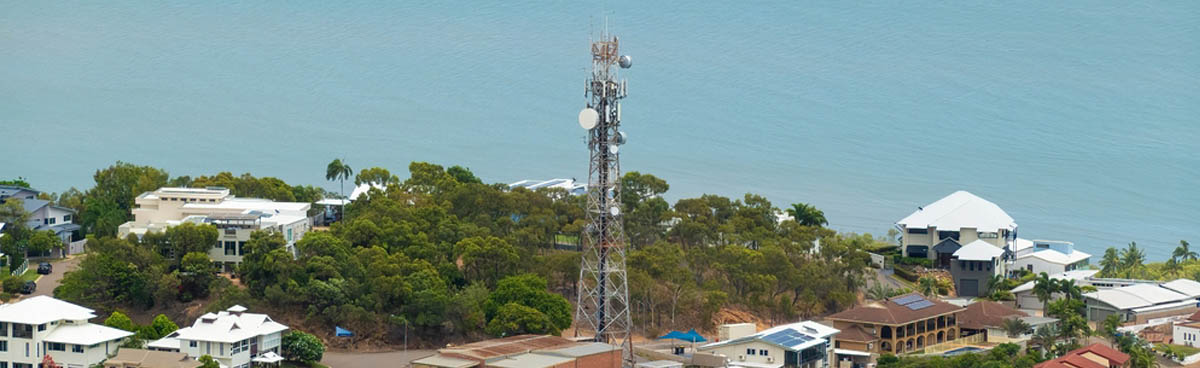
(735, 315)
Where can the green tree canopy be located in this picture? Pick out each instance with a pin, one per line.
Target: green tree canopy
(298, 346)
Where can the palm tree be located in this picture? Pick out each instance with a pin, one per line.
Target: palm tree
(340, 171)
(807, 215)
(1015, 327)
(1183, 253)
(1110, 265)
(927, 286)
(1044, 336)
(997, 289)
(1172, 267)
(1070, 290)
(879, 291)
(1132, 257)
(1044, 287)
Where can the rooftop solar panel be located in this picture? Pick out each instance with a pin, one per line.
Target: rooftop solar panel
(920, 305)
(908, 299)
(787, 338)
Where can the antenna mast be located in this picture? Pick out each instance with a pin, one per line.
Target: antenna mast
(603, 306)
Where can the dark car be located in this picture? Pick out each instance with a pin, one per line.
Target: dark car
(45, 268)
(29, 287)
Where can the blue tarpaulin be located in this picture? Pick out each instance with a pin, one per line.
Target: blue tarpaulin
(690, 336)
(341, 332)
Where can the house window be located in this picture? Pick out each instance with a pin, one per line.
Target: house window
(51, 220)
(76, 348)
(192, 343)
(3, 329)
(22, 331)
(918, 231)
(948, 234)
(230, 248)
(762, 352)
(289, 233)
(41, 327)
(3, 346)
(989, 235)
(241, 248)
(67, 217)
(749, 351)
(56, 346)
(218, 245)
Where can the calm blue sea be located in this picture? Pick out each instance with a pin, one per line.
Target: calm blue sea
(1080, 118)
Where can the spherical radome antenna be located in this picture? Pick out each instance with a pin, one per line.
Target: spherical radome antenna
(613, 149)
(615, 211)
(625, 61)
(588, 118)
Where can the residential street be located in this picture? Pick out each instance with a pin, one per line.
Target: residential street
(47, 283)
(885, 277)
(386, 359)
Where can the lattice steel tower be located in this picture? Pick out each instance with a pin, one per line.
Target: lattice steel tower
(602, 310)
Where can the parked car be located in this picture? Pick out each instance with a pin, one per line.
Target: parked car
(29, 287)
(45, 268)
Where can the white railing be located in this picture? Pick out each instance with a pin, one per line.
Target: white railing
(20, 270)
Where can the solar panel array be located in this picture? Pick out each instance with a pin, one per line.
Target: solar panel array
(908, 299)
(787, 337)
(914, 302)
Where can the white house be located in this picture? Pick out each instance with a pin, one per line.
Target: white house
(44, 215)
(804, 344)
(38, 326)
(232, 337)
(1187, 332)
(937, 230)
(1049, 256)
(974, 265)
(235, 218)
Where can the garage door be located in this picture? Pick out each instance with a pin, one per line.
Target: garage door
(970, 287)
(1028, 302)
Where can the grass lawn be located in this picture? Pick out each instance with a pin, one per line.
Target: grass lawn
(1182, 350)
(30, 275)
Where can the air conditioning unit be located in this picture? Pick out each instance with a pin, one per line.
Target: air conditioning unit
(770, 359)
(742, 357)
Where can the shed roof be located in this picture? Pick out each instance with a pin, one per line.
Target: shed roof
(1137, 296)
(86, 334)
(958, 210)
(978, 250)
(445, 362)
(529, 360)
(580, 350)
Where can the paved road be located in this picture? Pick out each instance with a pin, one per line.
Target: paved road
(335, 359)
(47, 283)
(885, 277)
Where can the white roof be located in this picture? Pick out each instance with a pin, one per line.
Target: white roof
(333, 202)
(958, 210)
(818, 333)
(43, 309)
(169, 342)
(1069, 275)
(978, 250)
(1137, 296)
(86, 334)
(529, 360)
(364, 189)
(229, 327)
(1056, 257)
(268, 357)
(1022, 244)
(755, 365)
(1187, 287)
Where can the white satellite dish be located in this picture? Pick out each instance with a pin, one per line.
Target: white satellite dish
(615, 211)
(612, 148)
(588, 118)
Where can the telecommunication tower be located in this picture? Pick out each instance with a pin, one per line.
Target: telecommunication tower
(602, 311)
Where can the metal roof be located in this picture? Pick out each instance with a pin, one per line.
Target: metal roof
(978, 250)
(445, 362)
(529, 360)
(85, 334)
(958, 210)
(43, 309)
(1187, 287)
(795, 336)
(1137, 296)
(581, 350)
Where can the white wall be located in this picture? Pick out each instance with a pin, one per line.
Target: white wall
(1039, 265)
(735, 351)
(1186, 335)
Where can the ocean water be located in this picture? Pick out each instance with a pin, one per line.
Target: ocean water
(1081, 119)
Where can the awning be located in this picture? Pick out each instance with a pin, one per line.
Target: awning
(690, 336)
(269, 357)
(341, 332)
(851, 352)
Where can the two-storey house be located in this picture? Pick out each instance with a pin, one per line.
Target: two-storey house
(232, 337)
(899, 325)
(235, 218)
(38, 326)
(935, 231)
(804, 344)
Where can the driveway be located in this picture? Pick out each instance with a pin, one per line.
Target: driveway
(886, 278)
(47, 283)
(336, 359)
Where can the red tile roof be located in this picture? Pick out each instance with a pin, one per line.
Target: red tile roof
(1075, 359)
(891, 313)
(984, 314)
(1195, 317)
(855, 333)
